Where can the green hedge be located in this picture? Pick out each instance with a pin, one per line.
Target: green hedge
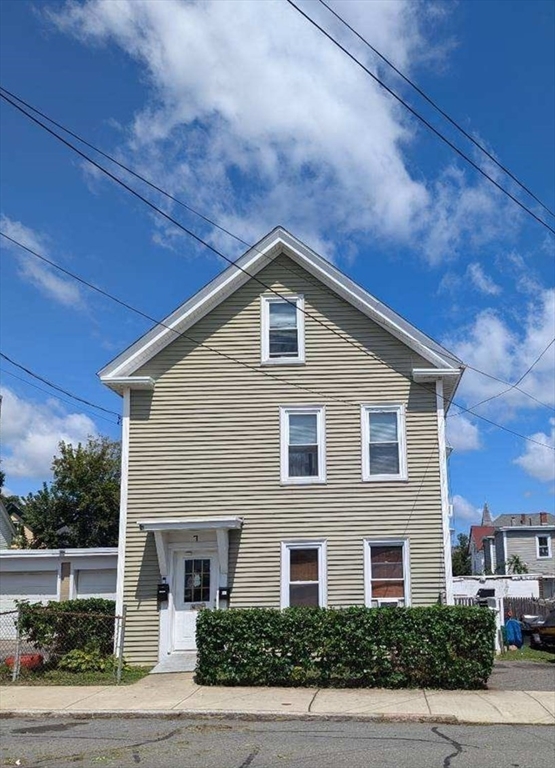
(437, 647)
(61, 627)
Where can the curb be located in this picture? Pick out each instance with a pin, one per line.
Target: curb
(167, 714)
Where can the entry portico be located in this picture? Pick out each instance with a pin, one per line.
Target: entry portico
(193, 559)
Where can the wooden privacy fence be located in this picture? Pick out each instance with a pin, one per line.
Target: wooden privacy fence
(521, 606)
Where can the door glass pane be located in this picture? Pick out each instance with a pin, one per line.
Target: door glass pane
(304, 565)
(303, 594)
(197, 581)
(383, 427)
(384, 459)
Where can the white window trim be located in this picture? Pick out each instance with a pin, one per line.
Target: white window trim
(368, 543)
(298, 359)
(550, 551)
(401, 435)
(286, 547)
(284, 412)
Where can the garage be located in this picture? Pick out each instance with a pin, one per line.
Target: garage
(100, 582)
(34, 586)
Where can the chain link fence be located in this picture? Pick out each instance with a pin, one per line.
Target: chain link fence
(35, 639)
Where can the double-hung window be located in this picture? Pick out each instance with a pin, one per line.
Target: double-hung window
(303, 454)
(282, 329)
(383, 443)
(387, 572)
(303, 574)
(543, 546)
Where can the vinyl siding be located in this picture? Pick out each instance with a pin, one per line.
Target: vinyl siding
(523, 544)
(206, 442)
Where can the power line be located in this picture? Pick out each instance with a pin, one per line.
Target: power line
(51, 394)
(57, 387)
(422, 119)
(240, 362)
(515, 385)
(205, 218)
(169, 327)
(436, 106)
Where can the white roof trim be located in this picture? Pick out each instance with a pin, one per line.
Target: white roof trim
(190, 524)
(255, 259)
(119, 383)
(45, 553)
(431, 374)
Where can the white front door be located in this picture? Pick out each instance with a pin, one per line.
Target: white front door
(194, 588)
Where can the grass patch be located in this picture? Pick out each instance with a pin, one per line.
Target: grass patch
(61, 677)
(527, 654)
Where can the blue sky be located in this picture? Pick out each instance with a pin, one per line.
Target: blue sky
(245, 111)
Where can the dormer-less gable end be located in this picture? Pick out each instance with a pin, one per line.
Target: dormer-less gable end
(120, 373)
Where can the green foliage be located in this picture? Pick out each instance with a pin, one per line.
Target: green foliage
(515, 564)
(460, 558)
(90, 659)
(437, 647)
(60, 628)
(80, 508)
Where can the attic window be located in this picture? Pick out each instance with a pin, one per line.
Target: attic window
(282, 330)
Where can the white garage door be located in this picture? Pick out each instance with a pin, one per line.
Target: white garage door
(34, 586)
(99, 582)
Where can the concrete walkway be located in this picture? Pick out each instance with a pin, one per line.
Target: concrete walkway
(177, 693)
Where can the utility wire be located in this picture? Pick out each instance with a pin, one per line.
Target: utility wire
(51, 394)
(515, 385)
(240, 362)
(226, 258)
(436, 106)
(422, 119)
(213, 223)
(57, 387)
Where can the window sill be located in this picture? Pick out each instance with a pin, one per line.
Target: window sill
(303, 482)
(385, 479)
(284, 361)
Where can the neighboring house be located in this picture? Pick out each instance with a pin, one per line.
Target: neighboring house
(7, 528)
(41, 575)
(477, 542)
(280, 451)
(530, 536)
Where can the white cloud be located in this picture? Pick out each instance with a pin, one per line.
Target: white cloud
(481, 281)
(36, 272)
(462, 434)
(537, 461)
(492, 345)
(464, 510)
(32, 431)
(257, 118)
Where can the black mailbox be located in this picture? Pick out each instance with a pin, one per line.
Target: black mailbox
(224, 593)
(162, 593)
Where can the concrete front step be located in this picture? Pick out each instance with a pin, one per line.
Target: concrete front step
(176, 662)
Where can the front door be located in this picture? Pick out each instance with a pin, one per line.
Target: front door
(194, 588)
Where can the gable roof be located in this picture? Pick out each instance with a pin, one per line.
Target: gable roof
(478, 533)
(276, 242)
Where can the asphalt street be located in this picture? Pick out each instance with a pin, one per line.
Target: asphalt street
(234, 743)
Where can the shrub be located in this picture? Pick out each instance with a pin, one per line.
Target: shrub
(88, 660)
(73, 624)
(436, 647)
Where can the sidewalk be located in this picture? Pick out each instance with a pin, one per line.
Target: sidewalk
(176, 693)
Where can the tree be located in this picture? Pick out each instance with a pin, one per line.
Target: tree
(80, 507)
(516, 565)
(460, 558)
